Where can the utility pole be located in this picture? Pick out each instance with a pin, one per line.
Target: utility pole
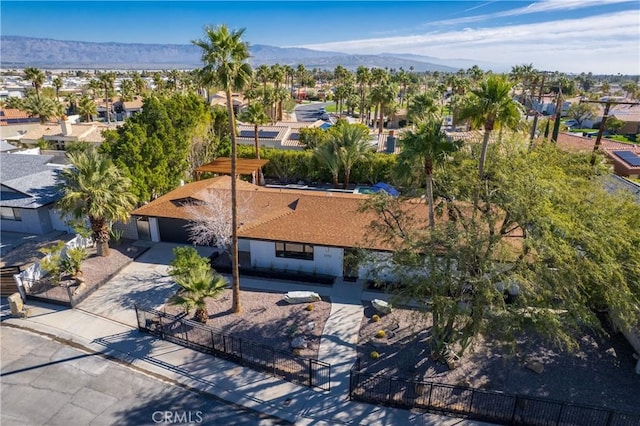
(607, 107)
(537, 113)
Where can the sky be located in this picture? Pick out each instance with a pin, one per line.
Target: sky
(599, 36)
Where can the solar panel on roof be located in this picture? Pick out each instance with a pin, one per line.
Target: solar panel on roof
(266, 134)
(629, 157)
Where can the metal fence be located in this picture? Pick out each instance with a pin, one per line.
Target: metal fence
(304, 371)
(483, 405)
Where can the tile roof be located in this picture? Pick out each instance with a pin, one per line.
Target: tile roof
(313, 217)
(578, 143)
(82, 132)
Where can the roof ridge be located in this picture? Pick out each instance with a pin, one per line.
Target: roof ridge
(277, 214)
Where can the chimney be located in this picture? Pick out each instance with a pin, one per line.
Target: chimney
(66, 126)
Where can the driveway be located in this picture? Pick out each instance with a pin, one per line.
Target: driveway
(143, 282)
(45, 382)
(310, 112)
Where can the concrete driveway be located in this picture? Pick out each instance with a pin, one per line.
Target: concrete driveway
(143, 282)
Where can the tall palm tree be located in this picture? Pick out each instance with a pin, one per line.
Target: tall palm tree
(363, 77)
(37, 78)
(423, 107)
(127, 89)
(491, 106)
(107, 80)
(301, 73)
(225, 55)
(94, 188)
(57, 85)
(255, 115)
(423, 149)
(383, 94)
(196, 286)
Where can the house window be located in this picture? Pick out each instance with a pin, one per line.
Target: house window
(294, 251)
(9, 213)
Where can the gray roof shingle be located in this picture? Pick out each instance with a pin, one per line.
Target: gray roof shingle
(28, 181)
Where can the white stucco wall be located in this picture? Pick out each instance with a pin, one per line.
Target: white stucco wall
(58, 221)
(33, 221)
(326, 260)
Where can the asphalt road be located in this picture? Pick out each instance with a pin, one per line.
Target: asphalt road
(45, 382)
(310, 112)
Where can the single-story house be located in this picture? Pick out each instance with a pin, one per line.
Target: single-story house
(28, 194)
(9, 116)
(283, 229)
(61, 134)
(281, 135)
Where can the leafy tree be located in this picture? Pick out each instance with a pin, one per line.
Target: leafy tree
(582, 111)
(614, 124)
(311, 137)
(94, 188)
(196, 286)
(152, 147)
(186, 259)
(491, 106)
(225, 56)
(532, 254)
(422, 150)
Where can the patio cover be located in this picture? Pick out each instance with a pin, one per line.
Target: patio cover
(222, 166)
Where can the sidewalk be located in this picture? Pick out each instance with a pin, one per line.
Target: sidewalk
(297, 404)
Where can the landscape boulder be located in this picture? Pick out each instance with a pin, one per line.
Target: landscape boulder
(293, 297)
(299, 343)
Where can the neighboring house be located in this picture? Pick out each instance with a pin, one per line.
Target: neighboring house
(284, 229)
(9, 116)
(60, 135)
(131, 108)
(29, 193)
(282, 135)
(630, 114)
(6, 147)
(220, 99)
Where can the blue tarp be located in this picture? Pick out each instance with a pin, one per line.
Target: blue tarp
(381, 186)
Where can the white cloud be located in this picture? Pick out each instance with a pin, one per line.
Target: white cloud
(536, 7)
(607, 43)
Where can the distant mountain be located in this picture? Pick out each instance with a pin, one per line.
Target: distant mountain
(18, 52)
(456, 63)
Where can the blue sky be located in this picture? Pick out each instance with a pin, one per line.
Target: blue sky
(601, 36)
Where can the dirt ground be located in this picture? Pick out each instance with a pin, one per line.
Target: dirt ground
(267, 319)
(600, 373)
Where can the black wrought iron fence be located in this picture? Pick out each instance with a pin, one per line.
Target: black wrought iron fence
(479, 404)
(305, 371)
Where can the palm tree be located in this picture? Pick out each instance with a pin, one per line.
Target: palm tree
(491, 106)
(107, 79)
(255, 115)
(225, 55)
(94, 188)
(383, 95)
(196, 286)
(95, 86)
(301, 73)
(351, 142)
(423, 149)
(363, 77)
(72, 101)
(423, 107)
(37, 78)
(327, 154)
(87, 107)
(43, 108)
(57, 85)
(127, 89)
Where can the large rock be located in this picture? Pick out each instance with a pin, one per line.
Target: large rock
(381, 306)
(17, 306)
(301, 297)
(535, 366)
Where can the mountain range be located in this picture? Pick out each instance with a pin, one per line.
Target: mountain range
(19, 52)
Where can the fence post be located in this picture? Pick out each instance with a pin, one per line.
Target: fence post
(310, 373)
(213, 345)
(135, 307)
(610, 418)
(389, 391)
(560, 413)
(473, 393)
(273, 361)
(515, 406)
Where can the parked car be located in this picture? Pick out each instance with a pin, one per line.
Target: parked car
(571, 123)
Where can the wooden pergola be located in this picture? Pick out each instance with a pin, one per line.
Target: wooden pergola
(222, 166)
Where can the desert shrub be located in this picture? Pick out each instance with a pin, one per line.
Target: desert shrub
(310, 307)
(296, 352)
(381, 334)
(374, 355)
(71, 261)
(375, 318)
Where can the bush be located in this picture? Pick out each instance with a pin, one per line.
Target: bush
(310, 307)
(375, 318)
(381, 334)
(296, 352)
(374, 355)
